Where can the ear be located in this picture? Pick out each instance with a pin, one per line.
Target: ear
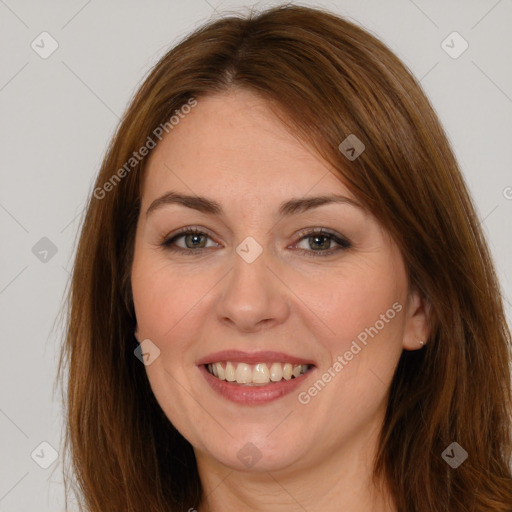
(136, 333)
(417, 324)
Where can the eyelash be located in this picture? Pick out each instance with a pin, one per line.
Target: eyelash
(343, 243)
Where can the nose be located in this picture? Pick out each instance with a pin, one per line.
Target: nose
(253, 297)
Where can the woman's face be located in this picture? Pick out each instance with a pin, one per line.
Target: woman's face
(259, 294)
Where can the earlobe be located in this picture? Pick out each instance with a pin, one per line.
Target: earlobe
(136, 334)
(417, 322)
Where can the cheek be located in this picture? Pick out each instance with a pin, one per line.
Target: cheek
(170, 306)
(355, 295)
(361, 313)
(161, 297)
(167, 307)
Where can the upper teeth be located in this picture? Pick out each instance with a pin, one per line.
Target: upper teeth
(260, 373)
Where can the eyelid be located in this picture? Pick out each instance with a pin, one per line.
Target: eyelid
(188, 230)
(318, 230)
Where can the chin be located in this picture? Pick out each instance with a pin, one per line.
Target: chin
(258, 449)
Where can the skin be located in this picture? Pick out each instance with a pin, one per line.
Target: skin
(314, 456)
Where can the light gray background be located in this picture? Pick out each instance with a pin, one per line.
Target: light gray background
(58, 114)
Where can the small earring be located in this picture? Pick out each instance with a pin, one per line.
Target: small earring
(422, 342)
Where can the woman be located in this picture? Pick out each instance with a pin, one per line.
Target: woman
(282, 298)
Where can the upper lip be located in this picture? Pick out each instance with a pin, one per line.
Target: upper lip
(238, 356)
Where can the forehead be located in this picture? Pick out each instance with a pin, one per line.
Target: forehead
(233, 143)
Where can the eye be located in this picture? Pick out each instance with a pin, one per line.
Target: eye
(319, 240)
(193, 238)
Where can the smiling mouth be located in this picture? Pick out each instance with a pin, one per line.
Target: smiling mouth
(259, 374)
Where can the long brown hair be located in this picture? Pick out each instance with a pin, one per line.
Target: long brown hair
(326, 78)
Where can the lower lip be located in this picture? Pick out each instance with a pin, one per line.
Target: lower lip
(253, 395)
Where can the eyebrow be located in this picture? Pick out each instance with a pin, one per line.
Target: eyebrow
(209, 206)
